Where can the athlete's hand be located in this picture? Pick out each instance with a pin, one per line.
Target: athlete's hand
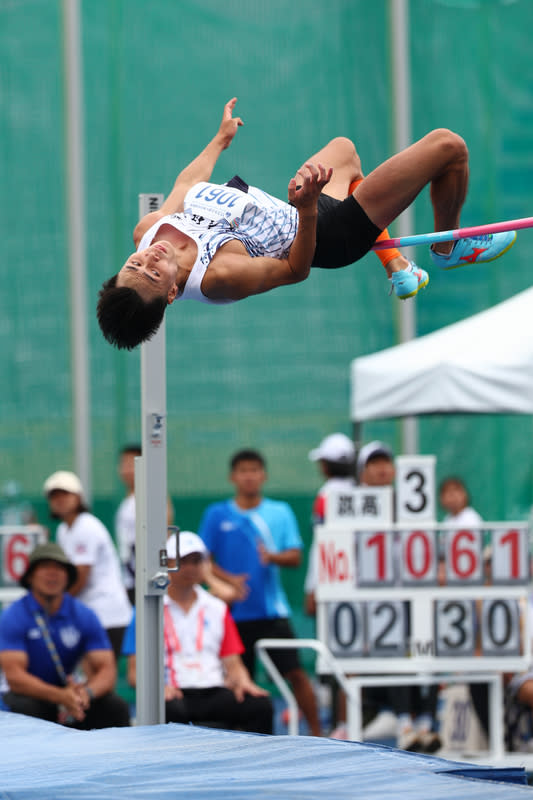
(229, 124)
(305, 189)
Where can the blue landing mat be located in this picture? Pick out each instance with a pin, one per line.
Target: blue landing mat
(164, 762)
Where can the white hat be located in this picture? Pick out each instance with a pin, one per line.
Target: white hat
(65, 481)
(189, 543)
(371, 450)
(336, 447)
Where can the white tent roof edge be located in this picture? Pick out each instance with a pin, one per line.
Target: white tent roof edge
(482, 364)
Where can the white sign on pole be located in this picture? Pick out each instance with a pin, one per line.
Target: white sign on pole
(415, 488)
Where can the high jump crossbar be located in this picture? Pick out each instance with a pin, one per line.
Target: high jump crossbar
(458, 233)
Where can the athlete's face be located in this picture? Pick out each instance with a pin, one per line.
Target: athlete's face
(248, 477)
(151, 272)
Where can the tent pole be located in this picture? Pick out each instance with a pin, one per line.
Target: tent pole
(401, 82)
(358, 441)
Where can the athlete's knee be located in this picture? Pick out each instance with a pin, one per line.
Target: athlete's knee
(450, 146)
(345, 150)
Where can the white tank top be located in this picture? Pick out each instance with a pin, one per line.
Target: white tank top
(214, 215)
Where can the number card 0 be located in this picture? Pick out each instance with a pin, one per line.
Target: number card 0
(418, 563)
(346, 629)
(500, 627)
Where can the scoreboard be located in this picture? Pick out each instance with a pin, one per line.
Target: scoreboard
(16, 544)
(399, 592)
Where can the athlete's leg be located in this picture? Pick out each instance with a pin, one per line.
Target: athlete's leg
(441, 159)
(341, 154)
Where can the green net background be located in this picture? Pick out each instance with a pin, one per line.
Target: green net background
(273, 371)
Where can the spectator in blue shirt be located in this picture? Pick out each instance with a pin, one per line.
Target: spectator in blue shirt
(250, 537)
(43, 638)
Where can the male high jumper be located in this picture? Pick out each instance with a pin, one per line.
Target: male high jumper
(222, 243)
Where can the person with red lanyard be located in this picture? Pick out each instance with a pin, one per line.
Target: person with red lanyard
(205, 679)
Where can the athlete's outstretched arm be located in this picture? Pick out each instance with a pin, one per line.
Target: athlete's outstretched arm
(234, 276)
(200, 169)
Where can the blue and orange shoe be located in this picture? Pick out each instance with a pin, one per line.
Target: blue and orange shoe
(475, 250)
(408, 281)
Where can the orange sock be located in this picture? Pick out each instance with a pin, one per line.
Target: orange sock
(384, 255)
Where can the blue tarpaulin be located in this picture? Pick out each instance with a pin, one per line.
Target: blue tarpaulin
(42, 760)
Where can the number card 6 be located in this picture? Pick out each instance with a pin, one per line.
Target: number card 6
(464, 563)
(15, 553)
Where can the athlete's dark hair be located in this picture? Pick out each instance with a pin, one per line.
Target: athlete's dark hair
(246, 455)
(124, 317)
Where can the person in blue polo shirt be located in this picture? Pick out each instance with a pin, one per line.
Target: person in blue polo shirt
(43, 638)
(250, 537)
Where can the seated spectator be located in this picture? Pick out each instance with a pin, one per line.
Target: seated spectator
(205, 679)
(89, 546)
(44, 636)
(519, 712)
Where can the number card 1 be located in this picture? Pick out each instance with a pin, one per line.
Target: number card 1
(510, 558)
(375, 558)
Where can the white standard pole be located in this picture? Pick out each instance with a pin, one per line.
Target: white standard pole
(401, 81)
(75, 202)
(151, 521)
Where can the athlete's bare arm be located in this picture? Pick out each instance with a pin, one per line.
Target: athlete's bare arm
(234, 275)
(200, 169)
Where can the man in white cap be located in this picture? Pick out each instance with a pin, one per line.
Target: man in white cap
(88, 544)
(375, 465)
(205, 679)
(335, 456)
(44, 636)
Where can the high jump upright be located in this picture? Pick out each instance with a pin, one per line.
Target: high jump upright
(151, 577)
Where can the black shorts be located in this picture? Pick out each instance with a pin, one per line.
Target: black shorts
(280, 628)
(344, 232)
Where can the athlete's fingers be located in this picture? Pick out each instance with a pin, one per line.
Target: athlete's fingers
(228, 108)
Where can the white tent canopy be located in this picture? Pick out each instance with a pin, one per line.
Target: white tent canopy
(482, 365)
